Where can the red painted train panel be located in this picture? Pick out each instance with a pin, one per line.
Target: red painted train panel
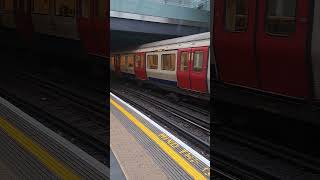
(263, 45)
(198, 69)
(140, 66)
(234, 46)
(183, 68)
(282, 56)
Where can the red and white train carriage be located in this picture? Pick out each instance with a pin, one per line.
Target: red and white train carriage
(61, 25)
(180, 64)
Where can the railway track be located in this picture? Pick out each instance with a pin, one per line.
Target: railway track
(258, 157)
(307, 162)
(69, 114)
(198, 135)
(192, 116)
(67, 93)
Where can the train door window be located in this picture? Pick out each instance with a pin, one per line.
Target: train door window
(40, 7)
(65, 8)
(281, 17)
(152, 61)
(197, 61)
(168, 62)
(137, 61)
(85, 8)
(236, 15)
(184, 61)
(130, 60)
(101, 8)
(122, 61)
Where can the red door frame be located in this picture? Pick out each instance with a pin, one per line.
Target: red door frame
(234, 51)
(283, 59)
(183, 77)
(140, 71)
(198, 80)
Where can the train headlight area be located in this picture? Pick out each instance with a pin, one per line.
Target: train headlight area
(137, 140)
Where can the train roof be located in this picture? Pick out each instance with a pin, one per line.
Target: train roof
(195, 40)
(184, 39)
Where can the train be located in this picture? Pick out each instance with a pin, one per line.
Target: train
(68, 26)
(180, 65)
(267, 56)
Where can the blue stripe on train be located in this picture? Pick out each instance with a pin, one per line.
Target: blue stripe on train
(162, 81)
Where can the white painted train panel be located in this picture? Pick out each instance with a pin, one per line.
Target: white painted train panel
(159, 73)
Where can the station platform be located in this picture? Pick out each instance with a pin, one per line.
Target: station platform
(29, 150)
(145, 150)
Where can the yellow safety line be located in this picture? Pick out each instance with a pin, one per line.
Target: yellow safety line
(166, 148)
(36, 150)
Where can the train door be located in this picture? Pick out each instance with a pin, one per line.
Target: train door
(140, 66)
(183, 68)
(282, 37)
(263, 45)
(85, 24)
(234, 41)
(101, 27)
(198, 69)
(23, 19)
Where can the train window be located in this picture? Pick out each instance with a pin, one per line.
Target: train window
(197, 61)
(130, 60)
(101, 7)
(281, 17)
(40, 6)
(184, 61)
(236, 15)
(152, 61)
(6, 5)
(85, 8)
(65, 8)
(112, 60)
(168, 62)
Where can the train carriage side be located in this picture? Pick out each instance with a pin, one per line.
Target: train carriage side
(267, 55)
(92, 23)
(170, 64)
(127, 65)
